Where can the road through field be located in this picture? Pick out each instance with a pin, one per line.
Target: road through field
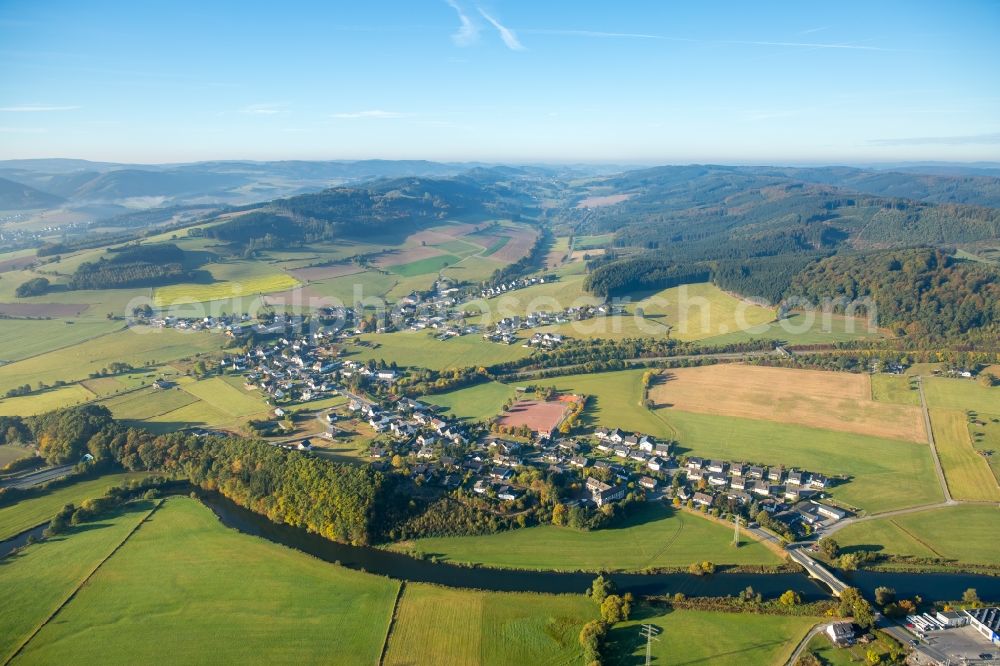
(37, 478)
(948, 501)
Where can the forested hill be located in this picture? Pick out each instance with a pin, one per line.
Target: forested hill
(918, 293)
(15, 196)
(975, 190)
(372, 208)
(758, 231)
(705, 205)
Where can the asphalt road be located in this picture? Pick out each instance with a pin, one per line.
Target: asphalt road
(819, 628)
(37, 478)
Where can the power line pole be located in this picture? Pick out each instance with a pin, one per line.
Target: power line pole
(650, 632)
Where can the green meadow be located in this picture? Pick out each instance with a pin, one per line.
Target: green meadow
(45, 401)
(22, 338)
(799, 329)
(964, 394)
(479, 402)
(225, 397)
(985, 434)
(966, 471)
(688, 312)
(436, 625)
(460, 248)
(700, 637)
(897, 389)
(424, 266)
(966, 534)
(591, 242)
(472, 269)
(134, 346)
(232, 596)
(40, 578)
(147, 403)
(197, 414)
(655, 536)
(884, 474)
(353, 289)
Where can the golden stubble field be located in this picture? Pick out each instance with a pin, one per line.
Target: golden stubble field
(829, 400)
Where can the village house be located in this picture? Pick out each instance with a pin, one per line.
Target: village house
(702, 499)
(603, 493)
(840, 634)
(507, 493)
(718, 479)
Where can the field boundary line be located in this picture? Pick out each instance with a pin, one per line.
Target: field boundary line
(916, 538)
(392, 622)
(73, 593)
(938, 467)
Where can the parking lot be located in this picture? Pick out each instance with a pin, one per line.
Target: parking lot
(961, 645)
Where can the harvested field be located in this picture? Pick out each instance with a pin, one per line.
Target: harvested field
(42, 309)
(829, 400)
(558, 254)
(517, 247)
(580, 255)
(406, 256)
(325, 272)
(17, 263)
(442, 234)
(540, 416)
(607, 200)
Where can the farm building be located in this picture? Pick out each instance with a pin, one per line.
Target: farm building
(986, 621)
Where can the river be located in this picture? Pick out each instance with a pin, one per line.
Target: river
(403, 567)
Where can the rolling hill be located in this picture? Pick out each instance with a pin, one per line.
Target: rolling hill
(17, 196)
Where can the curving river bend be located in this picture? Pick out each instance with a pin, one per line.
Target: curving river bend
(936, 586)
(404, 567)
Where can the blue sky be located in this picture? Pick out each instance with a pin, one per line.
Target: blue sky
(654, 82)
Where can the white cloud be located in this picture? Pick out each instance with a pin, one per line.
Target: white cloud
(36, 108)
(468, 32)
(506, 34)
(374, 113)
